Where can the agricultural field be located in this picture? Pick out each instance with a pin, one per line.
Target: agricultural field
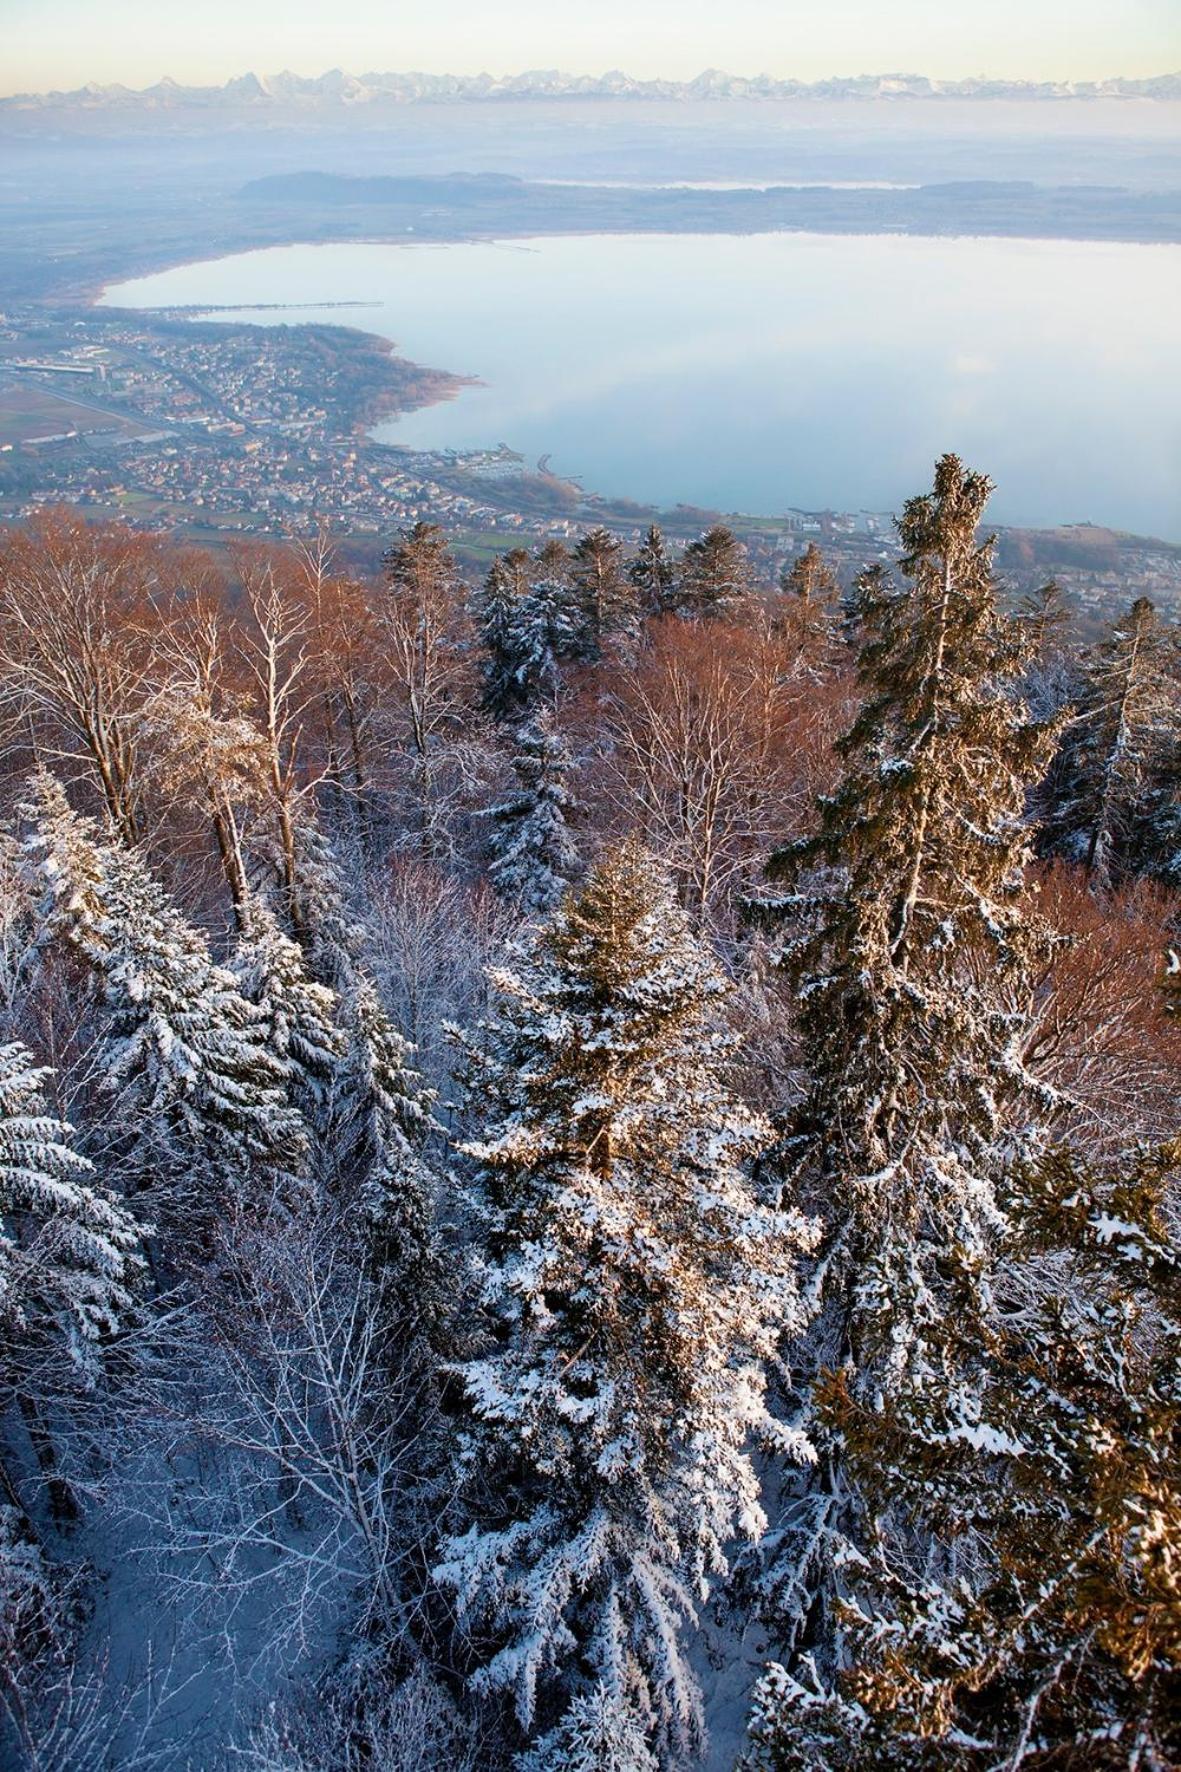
(29, 412)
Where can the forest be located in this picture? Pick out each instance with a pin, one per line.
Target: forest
(567, 1135)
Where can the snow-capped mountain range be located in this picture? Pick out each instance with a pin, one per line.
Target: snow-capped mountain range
(336, 90)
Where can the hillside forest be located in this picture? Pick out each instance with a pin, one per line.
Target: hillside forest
(588, 1159)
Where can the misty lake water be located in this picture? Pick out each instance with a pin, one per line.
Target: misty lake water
(758, 373)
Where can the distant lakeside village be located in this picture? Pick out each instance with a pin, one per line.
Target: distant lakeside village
(221, 431)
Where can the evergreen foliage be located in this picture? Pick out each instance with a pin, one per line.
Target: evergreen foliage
(323, 924)
(420, 561)
(715, 576)
(653, 573)
(595, 1735)
(1059, 1500)
(634, 1282)
(810, 578)
(381, 1122)
(490, 1486)
(498, 619)
(909, 945)
(534, 855)
(605, 596)
(1114, 781)
(199, 1105)
(548, 637)
(297, 1016)
(68, 1250)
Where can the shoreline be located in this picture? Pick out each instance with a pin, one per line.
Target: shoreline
(448, 385)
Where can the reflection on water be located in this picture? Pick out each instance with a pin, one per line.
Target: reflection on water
(760, 372)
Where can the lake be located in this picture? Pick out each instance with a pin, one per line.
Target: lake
(763, 372)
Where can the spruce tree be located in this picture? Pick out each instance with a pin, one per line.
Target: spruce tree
(715, 576)
(605, 597)
(549, 638)
(1058, 1500)
(382, 1120)
(352, 1075)
(810, 579)
(553, 561)
(534, 855)
(594, 1735)
(324, 924)
(812, 601)
(634, 1282)
(69, 1251)
(498, 620)
(1046, 616)
(297, 1016)
(420, 561)
(653, 573)
(198, 1101)
(1051, 680)
(909, 946)
(1117, 751)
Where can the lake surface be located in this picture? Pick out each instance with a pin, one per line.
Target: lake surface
(758, 373)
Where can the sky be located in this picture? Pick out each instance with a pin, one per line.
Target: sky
(59, 44)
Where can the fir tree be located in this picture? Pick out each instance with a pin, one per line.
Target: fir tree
(635, 1282)
(297, 1016)
(199, 1103)
(420, 561)
(381, 1122)
(69, 1252)
(534, 856)
(1045, 614)
(553, 561)
(909, 947)
(810, 579)
(715, 576)
(811, 604)
(605, 597)
(594, 1735)
(548, 638)
(498, 618)
(653, 574)
(1050, 680)
(1108, 808)
(1059, 1499)
(324, 925)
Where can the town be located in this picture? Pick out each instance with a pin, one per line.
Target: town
(218, 430)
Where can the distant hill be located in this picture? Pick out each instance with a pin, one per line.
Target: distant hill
(338, 91)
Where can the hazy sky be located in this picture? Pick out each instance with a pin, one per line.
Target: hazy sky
(63, 43)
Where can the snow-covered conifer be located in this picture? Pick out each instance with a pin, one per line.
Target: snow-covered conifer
(604, 594)
(810, 579)
(548, 636)
(635, 1281)
(325, 925)
(653, 572)
(68, 1250)
(534, 856)
(596, 1734)
(420, 560)
(810, 609)
(1116, 750)
(198, 1100)
(382, 1121)
(909, 941)
(1057, 1499)
(297, 1015)
(498, 619)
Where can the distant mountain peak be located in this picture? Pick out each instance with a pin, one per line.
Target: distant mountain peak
(287, 91)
